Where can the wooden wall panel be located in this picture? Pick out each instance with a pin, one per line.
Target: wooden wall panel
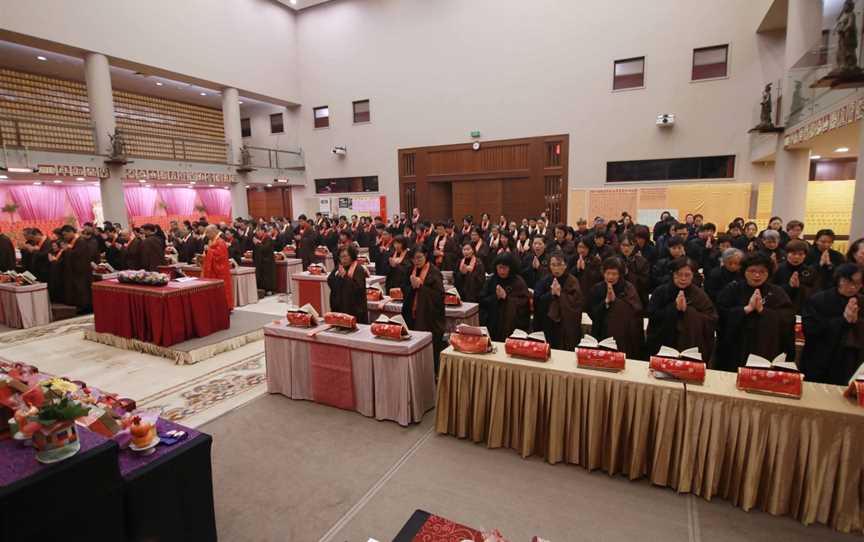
(439, 203)
(269, 202)
(489, 198)
(520, 199)
(488, 158)
(463, 200)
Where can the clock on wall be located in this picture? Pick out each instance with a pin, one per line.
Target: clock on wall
(476, 145)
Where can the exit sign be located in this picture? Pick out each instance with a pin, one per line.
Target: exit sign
(475, 133)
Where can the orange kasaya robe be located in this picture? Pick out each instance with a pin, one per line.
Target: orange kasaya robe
(217, 266)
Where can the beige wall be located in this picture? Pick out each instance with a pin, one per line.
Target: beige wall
(247, 44)
(434, 71)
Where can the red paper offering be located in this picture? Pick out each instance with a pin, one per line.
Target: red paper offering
(374, 294)
(315, 269)
(470, 344)
(395, 294)
(855, 391)
(289, 251)
(595, 358)
(782, 383)
(340, 319)
(450, 299)
(387, 331)
(523, 345)
(682, 369)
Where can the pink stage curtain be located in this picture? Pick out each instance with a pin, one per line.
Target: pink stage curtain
(217, 201)
(82, 198)
(140, 201)
(39, 202)
(178, 201)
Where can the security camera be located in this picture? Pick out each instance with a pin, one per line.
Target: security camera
(341, 150)
(665, 119)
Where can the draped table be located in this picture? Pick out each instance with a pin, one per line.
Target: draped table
(466, 313)
(387, 380)
(24, 306)
(285, 269)
(314, 290)
(242, 281)
(161, 315)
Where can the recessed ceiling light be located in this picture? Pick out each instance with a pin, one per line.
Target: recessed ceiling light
(293, 2)
(57, 181)
(281, 180)
(816, 157)
(4, 177)
(37, 183)
(79, 178)
(211, 185)
(841, 149)
(170, 184)
(191, 182)
(42, 58)
(239, 103)
(269, 186)
(21, 170)
(203, 94)
(159, 83)
(142, 180)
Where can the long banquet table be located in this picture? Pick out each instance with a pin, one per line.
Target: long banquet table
(801, 458)
(387, 380)
(161, 315)
(24, 306)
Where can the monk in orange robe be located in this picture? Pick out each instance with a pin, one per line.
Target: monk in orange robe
(216, 263)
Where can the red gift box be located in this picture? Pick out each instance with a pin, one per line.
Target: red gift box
(770, 381)
(526, 348)
(470, 344)
(374, 294)
(396, 294)
(855, 391)
(388, 331)
(682, 369)
(322, 252)
(300, 319)
(450, 299)
(595, 358)
(315, 270)
(340, 319)
(289, 251)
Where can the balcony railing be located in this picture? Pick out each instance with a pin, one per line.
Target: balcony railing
(276, 158)
(146, 145)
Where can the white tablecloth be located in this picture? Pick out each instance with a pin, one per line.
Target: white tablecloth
(23, 307)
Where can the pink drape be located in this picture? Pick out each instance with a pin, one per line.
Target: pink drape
(81, 199)
(39, 202)
(217, 201)
(178, 201)
(140, 201)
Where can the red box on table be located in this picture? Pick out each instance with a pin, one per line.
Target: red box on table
(395, 294)
(682, 369)
(300, 319)
(855, 391)
(523, 345)
(340, 319)
(770, 381)
(597, 358)
(374, 294)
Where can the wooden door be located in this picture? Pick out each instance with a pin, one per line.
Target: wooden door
(268, 202)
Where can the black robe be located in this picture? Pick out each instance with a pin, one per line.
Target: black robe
(533, 276)
(306, 246)
(559, 317)
(667, 326)
(638, 274)
(717, 279)
(622, 319)
(590, 276)
(833, 348)
(7, 254)
(470, 285)
(502, 316)
(430, 312)
(78, 275)
(740, 334)
(132, 254)
(265, 265)
(152, 253)
(808, 277)
(348, 294)
(397, 274)
(37, 262)
(235, 251)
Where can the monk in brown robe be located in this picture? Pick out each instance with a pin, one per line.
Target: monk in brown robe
(756, 317)
(307, 241)
(680, 314)
(399, 263)
(7, 254)
(77, 272)
(586, 267)
(638, 268)
(423, 299)
(616, 310)
(558, 306)
(504, 302)
(348, 286)
(444, 249)
(152, 249)
(481, 249)
(264, 261)
(470, 275)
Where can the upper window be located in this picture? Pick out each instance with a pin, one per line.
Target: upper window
(322, 116)
(671, 169)
(345, 185)
(710, 62)
(245, 128)
(361, 111)
(629, 73)
(277, 125)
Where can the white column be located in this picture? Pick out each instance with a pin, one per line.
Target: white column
(856, 228)
(239, 200)
(231, 122)
(792, 167)
(97, 73)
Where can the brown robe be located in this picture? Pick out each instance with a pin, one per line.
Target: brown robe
(7, 254)
(132, 254)
(667, 326)
(503, 316)
(591, 275)
(152, 253)
(77, 275)
(348, 294)
(306, 246)
(622, 319)
(470, 285)
(639, 275)
(559, 317)
(430, 313)
(398, 274)
(265, 265)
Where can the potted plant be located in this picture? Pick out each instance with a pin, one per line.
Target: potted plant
(10, 208)
(56, 438)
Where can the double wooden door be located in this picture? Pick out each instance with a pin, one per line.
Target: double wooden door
(267, 202)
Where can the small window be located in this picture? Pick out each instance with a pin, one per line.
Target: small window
(346, 185)
(277, 123)
(710, 62)
(245, 128)
(322, 116)
(629, 73)
(671, 169)
(361, 111)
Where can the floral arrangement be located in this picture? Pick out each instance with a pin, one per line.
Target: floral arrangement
(63, 409)
(147, 278)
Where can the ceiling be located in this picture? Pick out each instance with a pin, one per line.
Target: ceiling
(24, 58)
(302, 4)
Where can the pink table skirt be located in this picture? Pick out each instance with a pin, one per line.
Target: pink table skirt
(245, 288)
(311, 289)
(388, 380)
(466, 313)
(23, 307)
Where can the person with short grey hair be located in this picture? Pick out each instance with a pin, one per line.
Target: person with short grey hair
(771, 247)
(728, 271)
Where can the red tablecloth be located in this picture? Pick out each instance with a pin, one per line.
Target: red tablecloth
(162, 315)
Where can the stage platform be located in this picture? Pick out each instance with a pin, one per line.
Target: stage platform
(246, 327)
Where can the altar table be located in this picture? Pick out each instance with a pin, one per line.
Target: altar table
(387, 380)
(162, 315)
(24, 306)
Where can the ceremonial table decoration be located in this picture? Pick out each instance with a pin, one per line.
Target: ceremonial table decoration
(855, 390)
(24, 302)
(56, 438)
(395, 294)
(471, 339)
(387, 380)
(146, 278)
(374, 293)
(777, 377)
(340, 320)
(149, 318)
(602, 355)
(394, 329)
(304, 316)
(529, 346)
(315, 269)
(670, 363)
(289, 251)
(451, 297)
(426, 527)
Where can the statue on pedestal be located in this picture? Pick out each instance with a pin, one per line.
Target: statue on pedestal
(117, 147)
(847, 42)
(245, 156)
(765, 121)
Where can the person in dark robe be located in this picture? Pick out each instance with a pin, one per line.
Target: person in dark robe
(756, 317)
(680, 314)
(699, 248)
(264, 261)
(381, 250)
(728, 271)
(37, 248)
(481, 249)
(834, 330)
(307, 241)
(535, 265)
(77, 271)
(152, 252)
(132, 251)
(644, 245)
(470, 275)
(587, 267)
(423, 299)
(616, 310)
(562, 243)
(235, 251)
(638, 268)
(662, 272)
(796, 278)
(443, 249)
(348, 285)
(114, 249)
(504, 302)
(55, 275)
(558, 304)
(7, 254)
(822, 254)
(601, 246)
(855, 254)
(398, 264)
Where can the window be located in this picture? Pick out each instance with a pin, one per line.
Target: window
(361, 111)
(629, 73)
(408, 164)
(710, 62)
(346, 185)
(277, 125)
(245, 128)
(671, 169)
(322, 116)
